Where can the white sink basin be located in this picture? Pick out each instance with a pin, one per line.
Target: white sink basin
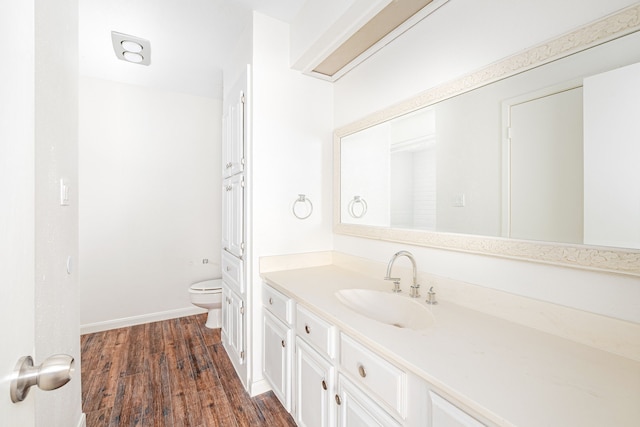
(388, 308)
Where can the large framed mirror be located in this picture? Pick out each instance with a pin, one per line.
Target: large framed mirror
(536, 157)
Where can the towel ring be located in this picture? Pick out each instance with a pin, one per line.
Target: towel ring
(302, 199)
(357, 200)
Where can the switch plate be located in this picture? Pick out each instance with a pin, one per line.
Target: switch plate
(64, 192)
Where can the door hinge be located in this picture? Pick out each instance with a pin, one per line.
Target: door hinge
(242, 355)
(243, 99)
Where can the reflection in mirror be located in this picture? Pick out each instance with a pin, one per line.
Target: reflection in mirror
(388, 173)
(549, 155)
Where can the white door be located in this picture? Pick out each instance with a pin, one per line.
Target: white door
(17, 206)
(38, 146)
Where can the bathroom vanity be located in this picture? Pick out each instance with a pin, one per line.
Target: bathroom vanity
(331, 363)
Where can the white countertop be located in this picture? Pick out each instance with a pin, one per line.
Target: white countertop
(508, 373)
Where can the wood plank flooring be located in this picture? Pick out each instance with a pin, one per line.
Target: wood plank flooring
(173, 373)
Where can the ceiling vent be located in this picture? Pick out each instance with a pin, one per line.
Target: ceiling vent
(131, 48)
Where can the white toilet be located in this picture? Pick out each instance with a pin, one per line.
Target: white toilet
(208, 294)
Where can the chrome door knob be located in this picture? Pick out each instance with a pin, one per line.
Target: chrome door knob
(53, 373)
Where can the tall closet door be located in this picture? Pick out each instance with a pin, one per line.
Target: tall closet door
(233, 137)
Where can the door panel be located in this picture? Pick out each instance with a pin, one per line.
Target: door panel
(17, 209)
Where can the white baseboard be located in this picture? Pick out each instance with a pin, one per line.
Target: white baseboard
(259, 387)
(139, 320)
(83, 420)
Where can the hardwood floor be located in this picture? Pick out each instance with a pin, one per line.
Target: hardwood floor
(171, 373)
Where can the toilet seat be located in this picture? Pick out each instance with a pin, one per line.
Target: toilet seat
(207, 286)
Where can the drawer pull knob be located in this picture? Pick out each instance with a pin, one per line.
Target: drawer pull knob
(271, 301)
(362, 371)
(283, 343)
(307, 329)
(338, 401)
(324, 385)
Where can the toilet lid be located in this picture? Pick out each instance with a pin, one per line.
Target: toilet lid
(207, 285)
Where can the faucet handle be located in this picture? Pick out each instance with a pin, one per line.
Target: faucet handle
(396, 286)
(431, 297)
(396, 283)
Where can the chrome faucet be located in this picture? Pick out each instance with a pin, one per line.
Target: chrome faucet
(414, 291)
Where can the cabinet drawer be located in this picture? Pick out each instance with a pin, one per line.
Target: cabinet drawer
(315, 331)
(387, 382)
(278, 304)
(232, 273)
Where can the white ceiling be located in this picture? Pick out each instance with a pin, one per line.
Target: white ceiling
(189, 39)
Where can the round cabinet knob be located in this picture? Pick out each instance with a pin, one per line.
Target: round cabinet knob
(324, 385)
(362, 371)
(307, 329)
(338, 401)
(271, 301)
(283, 343)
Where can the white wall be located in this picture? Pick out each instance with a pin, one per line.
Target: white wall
(462, 36)
(291, 147)
(150, 204)
(290, 154)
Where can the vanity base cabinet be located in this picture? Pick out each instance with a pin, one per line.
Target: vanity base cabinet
(276, 362)
(324, 377)
(314, 388)
(356, 409)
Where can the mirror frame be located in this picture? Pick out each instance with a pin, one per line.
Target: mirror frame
(609, 259)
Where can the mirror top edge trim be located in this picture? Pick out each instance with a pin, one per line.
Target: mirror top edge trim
(600, 259)
(611, 27)
(595, 258)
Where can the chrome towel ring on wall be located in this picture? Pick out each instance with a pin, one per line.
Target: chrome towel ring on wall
(358, 203)
(306, 203)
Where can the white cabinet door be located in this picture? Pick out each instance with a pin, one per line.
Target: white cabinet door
(276, 362)
(356, 409)
(314, 388)
(233, 215)
(233, 137)
(445, 414)
(233, 325)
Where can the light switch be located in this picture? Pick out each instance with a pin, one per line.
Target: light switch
(64, 192)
